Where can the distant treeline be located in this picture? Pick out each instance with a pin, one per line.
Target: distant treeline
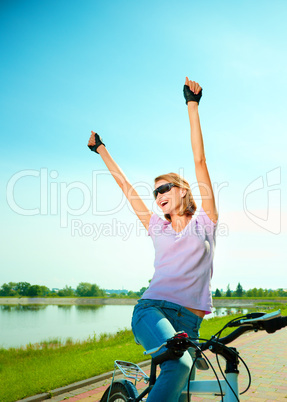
(255, 292)
(84, 289)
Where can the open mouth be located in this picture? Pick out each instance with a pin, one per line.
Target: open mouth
(164, 203)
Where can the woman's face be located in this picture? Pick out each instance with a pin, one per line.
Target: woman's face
(170, 201)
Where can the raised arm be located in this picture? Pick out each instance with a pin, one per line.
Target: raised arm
(141, 210)
(201, 171)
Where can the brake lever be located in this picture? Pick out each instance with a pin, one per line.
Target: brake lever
(265, 317)
(259, 317)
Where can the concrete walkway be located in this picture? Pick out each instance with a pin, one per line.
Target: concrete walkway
(265, 355)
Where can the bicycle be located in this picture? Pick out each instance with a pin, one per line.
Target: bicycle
(227, 388)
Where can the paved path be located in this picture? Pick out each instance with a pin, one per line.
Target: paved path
(265, 354)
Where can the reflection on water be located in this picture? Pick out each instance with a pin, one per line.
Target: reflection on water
(223, 311)
(37, 307)
(22, 307)
(23, 324)
(86, 307)
(65, 306)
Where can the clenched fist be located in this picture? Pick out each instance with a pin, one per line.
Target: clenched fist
(95, 141)
(192, 91)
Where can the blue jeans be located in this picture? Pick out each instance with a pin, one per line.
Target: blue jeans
(153, 322)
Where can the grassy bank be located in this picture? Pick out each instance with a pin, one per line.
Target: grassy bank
(42, 367)
(250, 298)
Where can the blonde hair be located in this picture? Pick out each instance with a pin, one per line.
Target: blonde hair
(188, 206)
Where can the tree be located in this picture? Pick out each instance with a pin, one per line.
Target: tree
(133, 294)
(66, 292)
(22, 288)
(228, 292)
(142, 290)
(45, 291)
(96, 291)
(217, 293)
(239, 291)
(35, 290)
(249, 293)
(8, 289)
(85, 289)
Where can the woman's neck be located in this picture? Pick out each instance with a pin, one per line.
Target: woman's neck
(178, 223)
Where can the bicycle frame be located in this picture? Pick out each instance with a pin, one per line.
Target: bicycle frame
(212, 387)
(197, 387)
(179, 343)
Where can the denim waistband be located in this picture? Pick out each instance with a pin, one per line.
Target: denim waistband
(167, 304)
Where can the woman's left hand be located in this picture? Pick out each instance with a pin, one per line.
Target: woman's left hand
(192, 91)
(193, 86)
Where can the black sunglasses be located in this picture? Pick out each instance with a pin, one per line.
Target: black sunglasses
(163, 189)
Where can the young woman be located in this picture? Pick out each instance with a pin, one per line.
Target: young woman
(179, 294)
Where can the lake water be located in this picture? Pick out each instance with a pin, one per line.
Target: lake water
(24, 324)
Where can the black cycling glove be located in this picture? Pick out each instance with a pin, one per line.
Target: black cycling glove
(191, 96)
(99, 141)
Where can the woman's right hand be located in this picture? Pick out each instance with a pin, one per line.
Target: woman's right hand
(95, 141)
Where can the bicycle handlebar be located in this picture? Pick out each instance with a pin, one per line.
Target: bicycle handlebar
(270, 323)
(154, 350)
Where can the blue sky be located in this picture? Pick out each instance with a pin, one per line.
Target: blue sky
(118, 68)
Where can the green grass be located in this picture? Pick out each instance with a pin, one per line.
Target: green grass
(272, 304)
(40, 368)
(133, 297)
(251, 298)
(52, 364)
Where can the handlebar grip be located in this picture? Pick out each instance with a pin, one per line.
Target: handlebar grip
(274, 325)
(169, 354)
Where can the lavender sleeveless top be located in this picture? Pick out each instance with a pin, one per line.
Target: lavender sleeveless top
(183, 262)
